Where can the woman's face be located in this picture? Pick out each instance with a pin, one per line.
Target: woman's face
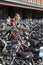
(17, 16)
(9, 17)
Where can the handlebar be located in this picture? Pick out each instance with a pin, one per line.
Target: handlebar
(9, 30)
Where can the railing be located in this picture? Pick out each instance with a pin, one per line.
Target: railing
(34, 1)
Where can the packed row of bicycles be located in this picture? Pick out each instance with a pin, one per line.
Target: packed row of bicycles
(22, 44)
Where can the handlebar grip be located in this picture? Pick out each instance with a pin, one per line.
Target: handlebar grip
(24, 45)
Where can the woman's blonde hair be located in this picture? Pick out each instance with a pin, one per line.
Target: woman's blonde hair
(17, 16)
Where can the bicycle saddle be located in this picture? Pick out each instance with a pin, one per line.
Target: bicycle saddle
(33, 41)
(25, 55)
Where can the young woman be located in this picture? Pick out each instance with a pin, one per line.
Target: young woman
(16, 19)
